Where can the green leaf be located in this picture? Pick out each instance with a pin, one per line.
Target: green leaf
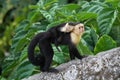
(23, 67)
(20, 45)
(33, 16)
(47, 15)
(87, 40)
(19, 37)
(105, 20)
(94, 36)
(55, 23)
(33, 6)
(104, 43)
(85, 16)
(22, 25)
(49, 3)
(67, 11)
(115, 33)
(71, 7)
(90, 38)
(62, 56)
(58, 57)
(93, 6)
(83, 49)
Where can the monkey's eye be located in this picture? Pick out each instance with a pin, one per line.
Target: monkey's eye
(82, 26)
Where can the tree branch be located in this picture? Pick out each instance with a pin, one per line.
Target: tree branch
(103, 66)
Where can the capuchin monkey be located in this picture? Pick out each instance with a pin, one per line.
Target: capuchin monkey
(64, 34)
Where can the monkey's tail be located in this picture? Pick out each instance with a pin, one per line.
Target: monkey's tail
(38, 60)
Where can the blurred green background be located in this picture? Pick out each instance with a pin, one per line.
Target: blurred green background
(20, 20)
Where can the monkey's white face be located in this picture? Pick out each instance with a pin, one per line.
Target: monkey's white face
(79, 29)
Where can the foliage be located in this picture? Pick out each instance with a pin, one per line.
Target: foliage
(11, 13)
(102, 44)
(101, 19)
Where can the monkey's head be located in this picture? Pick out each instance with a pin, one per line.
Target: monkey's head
(76, 33)
(78, 29)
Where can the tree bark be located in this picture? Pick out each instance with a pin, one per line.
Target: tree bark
(103, 66)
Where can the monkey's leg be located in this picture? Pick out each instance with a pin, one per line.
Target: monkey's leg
(41, 56)
(40, 60)
(47, 52)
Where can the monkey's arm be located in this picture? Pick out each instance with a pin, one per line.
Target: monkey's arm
(74, 52)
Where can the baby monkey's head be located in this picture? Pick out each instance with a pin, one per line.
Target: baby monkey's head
(77, 28)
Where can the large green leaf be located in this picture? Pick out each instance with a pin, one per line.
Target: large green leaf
(67, 12)
(27, 70)
(62, 56)
(58, 57)
(115, 33)
(90, 38)
(33, 16)
(83, 49)
(47, 9)
(46, 4)
(70, 7)
(105, 20)
(22, 70)
(113, 3)
(23, 36)
(85, 16)
(55, 23)
(104, 43)
(19, 33)
(93, 6)
(94, 36)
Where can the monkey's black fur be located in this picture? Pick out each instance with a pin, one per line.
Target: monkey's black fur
(44, 40)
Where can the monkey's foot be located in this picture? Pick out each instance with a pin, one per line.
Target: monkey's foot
(84, 56)
(81, 57)
(53, 70)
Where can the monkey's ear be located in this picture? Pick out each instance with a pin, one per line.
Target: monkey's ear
(67, 28)
(63, 29)
(66, 25)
